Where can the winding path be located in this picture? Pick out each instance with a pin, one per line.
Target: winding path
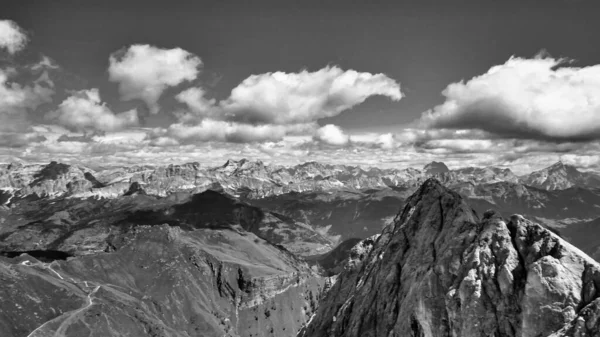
(71, 316)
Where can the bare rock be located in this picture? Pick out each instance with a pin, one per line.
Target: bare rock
(442, 271)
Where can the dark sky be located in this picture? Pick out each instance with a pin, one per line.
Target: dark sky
(425, 45)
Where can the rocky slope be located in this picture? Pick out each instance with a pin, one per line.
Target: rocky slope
(161, 281)
(441, 271)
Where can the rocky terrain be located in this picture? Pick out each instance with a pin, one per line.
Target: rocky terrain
(440, 270)
(83, 251)
(160, 281)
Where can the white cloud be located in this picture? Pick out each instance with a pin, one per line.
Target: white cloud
(12, 37)
(537, 98)
(214, 130)
(384, 141)
(144, 71)
(85, 111)
(16, 100)
(332, 135)
(291, 98)
(195, 100)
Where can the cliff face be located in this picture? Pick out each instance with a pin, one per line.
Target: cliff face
(161, 281)
(441, 271)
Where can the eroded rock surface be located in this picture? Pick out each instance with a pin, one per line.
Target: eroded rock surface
(442, 271)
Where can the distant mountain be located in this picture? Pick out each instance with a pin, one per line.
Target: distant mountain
(58, 224)
(349, 214)
(435, 168)
(439, 270)
(561, 176)
(339, 202)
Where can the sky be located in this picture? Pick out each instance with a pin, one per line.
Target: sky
(379, 83)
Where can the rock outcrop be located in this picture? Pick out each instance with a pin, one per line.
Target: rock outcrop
(439, 270)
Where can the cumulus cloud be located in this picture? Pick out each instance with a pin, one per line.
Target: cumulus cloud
(292, 98)
(144, 71)
(539, 98)
(12, 37)
(199, 105)
(332, 135)
(269, 106)
(16, 100)
(85, 111)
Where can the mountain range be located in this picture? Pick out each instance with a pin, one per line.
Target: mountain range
(339, 202)
(248, 249)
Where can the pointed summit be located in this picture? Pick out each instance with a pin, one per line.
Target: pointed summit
(560, 176)
(440, 271)
(436, 167)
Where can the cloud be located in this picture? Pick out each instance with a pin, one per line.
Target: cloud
(384, 141)
(19, 139)
(85, 111)
(12, 37)
(144, 71)
(539, 98)
(332, 135)
(16, 100)
(223, 131)
(199, 105)
(270, 106)
(293, 98)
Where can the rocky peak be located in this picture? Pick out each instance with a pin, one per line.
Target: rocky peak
(435, 168)
(440, 271)
(561, 176)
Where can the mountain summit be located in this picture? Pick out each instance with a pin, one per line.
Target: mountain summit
(439, 270)
(435, 167)
(561, 176)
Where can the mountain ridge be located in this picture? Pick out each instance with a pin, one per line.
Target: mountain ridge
(439, 270)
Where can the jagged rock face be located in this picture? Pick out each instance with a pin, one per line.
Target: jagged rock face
(161, 281)
(440, 271)
(54, 179)
(560, 176)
